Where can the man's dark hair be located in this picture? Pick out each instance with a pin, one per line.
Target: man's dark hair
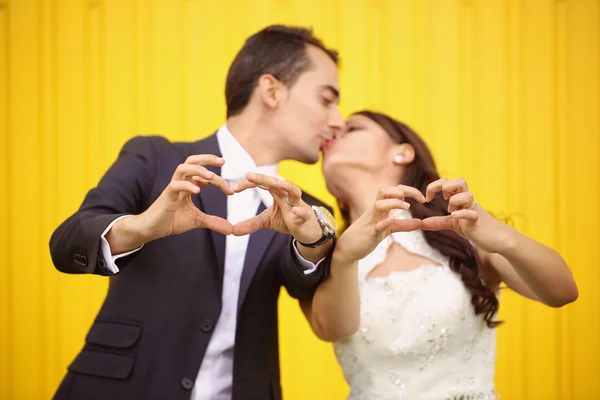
(277, 50)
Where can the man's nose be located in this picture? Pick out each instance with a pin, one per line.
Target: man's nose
(336, 122)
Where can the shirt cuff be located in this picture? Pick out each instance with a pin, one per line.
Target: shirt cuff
(109, 258)
(308, 266)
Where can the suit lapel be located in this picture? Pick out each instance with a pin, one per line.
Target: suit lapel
(214, 202)
(257, 246)
(211, 199)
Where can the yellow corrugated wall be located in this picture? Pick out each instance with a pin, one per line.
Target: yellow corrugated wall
(506, 92)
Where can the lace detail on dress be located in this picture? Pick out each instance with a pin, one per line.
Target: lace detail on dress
(419, 336)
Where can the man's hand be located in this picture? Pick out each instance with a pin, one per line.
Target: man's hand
(288, 214)
(173, 212)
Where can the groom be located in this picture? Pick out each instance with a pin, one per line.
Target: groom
(191, 310)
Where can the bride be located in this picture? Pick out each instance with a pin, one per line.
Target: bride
(412, 296)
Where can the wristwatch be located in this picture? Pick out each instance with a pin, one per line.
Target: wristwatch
(328, 224)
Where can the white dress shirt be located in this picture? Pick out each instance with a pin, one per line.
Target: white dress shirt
(215, 377)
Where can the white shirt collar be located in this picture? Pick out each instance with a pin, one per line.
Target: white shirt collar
(237, 160)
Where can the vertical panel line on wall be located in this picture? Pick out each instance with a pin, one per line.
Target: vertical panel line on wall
(509, 81)
(88, 91)
(508, 65)
(513, 99)
(229, 36)
(418, 55)
(597, 158)
(55, 165)
(42, 162)
(518, 123)
(465, 59)
(370, 52)
(149, 51)
(48, 150)
(9, 253)
(184, 65)
(102, 78)
(474, 62)
(139, 65)
(87, 86)
(560, 151)
(136, 68)
(384, 65)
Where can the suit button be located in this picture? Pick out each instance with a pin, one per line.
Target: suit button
(80, 260)
(187, 383)
(207, 325)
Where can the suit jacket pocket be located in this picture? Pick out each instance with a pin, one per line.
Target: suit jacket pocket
(107, 365)
(117, 335)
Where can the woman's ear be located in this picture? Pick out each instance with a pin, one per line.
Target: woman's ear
(404, 154)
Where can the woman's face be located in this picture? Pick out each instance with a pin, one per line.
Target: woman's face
(363, 148)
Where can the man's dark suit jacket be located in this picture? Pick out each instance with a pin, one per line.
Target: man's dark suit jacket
(154, 326)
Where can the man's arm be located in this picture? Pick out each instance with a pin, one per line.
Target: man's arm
(75, 246)
(301, 276)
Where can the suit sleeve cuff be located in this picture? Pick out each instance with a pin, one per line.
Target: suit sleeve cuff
(110, 260)
(308, 266)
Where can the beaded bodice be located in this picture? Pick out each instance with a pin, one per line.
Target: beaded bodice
(419, 337)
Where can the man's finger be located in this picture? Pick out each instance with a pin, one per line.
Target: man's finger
(177, 187)
(185, 171)
(205, 159)
(217, 224)
(242, 185)
(215, 181)
(302, 212)
(292, 192)
(250, 225)
(263, 180)
(245, 184)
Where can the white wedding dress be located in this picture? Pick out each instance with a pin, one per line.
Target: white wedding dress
(419, 337)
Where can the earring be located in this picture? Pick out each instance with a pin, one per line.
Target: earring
(398, 159)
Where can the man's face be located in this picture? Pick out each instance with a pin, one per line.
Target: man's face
(309, 114)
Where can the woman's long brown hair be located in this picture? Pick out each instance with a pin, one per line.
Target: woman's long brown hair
(463, 256)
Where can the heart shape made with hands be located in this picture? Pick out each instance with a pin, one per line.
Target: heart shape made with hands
(174, 212)
(288, 214)
(389, 212)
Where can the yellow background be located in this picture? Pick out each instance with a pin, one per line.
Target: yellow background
(506, 93)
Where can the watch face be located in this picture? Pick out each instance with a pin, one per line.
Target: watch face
(329, 219)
